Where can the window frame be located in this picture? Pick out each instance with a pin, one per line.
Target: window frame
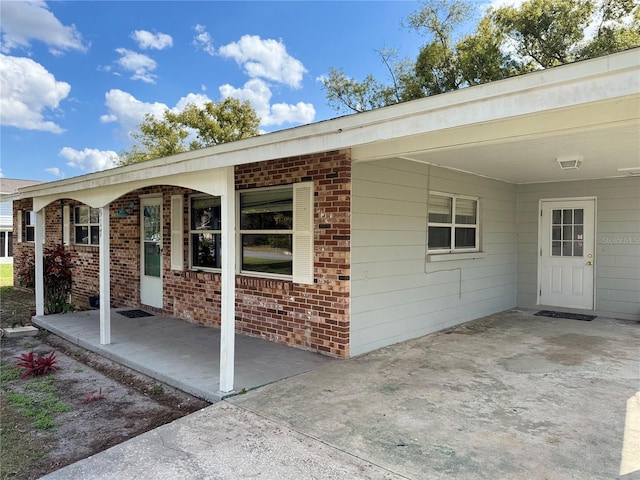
(29, 216)
(217, 232)
(453, 225)
(89, 225)
(241, 231)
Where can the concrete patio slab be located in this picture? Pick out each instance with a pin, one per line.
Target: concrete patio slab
(508, 396)
(181, 354)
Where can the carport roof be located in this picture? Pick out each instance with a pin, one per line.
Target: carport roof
(514, 130)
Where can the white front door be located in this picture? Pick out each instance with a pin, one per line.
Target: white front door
(151, 252)
(567, 254)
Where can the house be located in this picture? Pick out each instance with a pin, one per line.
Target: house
(358, 232)
(8, 186)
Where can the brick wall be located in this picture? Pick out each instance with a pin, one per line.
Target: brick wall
(313, 317)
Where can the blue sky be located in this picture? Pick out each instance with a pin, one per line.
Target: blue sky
(77, 77)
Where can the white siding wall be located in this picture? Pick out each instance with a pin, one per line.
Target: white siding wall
(396, 294)
(617, 256)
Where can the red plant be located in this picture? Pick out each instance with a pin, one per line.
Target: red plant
(93, 396)
(40, 365)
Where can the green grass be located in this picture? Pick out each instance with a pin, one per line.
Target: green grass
(6, 275)
(39, 402)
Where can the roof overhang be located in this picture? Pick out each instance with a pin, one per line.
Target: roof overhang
(513, 129)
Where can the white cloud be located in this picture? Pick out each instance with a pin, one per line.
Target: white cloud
(1, 173)
(141, 65)
(24, 21)
(157, 41)
(27, 89)
(258, 93)
(89, 159)
(203, 40)
(265, 59)
(127, 110)
(55, 171)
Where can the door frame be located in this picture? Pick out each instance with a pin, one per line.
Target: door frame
(542, 237)
(145, 200)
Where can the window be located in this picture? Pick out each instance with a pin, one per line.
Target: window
(567, 232)
(30, 226)
(204, 232)
(266, 231)
(87, 225)
(453, 224)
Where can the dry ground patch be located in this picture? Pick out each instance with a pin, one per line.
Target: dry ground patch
(88, 405)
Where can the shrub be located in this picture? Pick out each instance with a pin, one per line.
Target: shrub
(57, 279)
(40, 365)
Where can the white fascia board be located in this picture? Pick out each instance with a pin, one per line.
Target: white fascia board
(579, 83)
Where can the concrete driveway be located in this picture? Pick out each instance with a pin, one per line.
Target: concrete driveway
(506, 397)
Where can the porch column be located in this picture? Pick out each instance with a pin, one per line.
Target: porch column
(39, 239)
(228, 303)
(105, 282)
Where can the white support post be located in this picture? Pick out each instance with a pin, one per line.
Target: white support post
(228, 303)
(39, 251)
(105, 282)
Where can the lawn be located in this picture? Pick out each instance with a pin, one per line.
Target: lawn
(6, 275)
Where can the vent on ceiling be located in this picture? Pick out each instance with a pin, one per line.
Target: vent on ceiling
(571, 162)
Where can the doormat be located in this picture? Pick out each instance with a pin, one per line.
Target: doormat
(135, 313)
(570, 316)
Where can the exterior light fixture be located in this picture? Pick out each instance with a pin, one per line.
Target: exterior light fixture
(633, 171)
(570, 162)
(123, 211)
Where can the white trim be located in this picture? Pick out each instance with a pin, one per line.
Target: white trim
(19, 225)
(66, 225)
(228, 284)
(303, 225)
(455, 256)
(177, 232)
(39, 271)
(105, 277)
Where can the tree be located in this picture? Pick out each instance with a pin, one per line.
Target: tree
(507, 41)
(193, 128)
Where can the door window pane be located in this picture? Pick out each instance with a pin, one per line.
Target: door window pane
(151, 259)
(567, 233)
(578, 216)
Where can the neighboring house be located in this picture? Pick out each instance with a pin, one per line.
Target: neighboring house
(8, 186)
(350, 234)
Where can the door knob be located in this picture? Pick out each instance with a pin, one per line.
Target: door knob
(589, 262)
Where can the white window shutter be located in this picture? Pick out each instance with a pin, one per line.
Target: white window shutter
(19, 225)
(177, 232)
(66, 225)
(303, 232)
